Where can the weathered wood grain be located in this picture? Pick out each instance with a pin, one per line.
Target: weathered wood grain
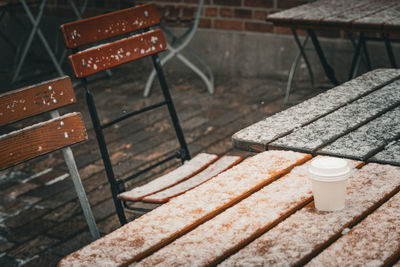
(332, 126)
(390, 155)
(346, 18)
(375, 241)
(379, 19)
(32, 100)
(95, 29)
(305, 233)
(40, 139)
(262, 133)
(368, 139)
(113, 54)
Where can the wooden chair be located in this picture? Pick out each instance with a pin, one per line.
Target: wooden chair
(58, 133)
(136, 40)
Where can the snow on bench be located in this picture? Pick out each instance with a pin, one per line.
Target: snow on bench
(222, 164)
(313, 229)
(187, 170)
(238, 225)
(141, 237)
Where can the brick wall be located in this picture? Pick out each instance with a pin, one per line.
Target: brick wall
(234, 15)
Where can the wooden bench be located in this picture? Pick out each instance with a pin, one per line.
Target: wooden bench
(58, 133)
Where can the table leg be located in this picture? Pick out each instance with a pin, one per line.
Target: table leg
(327, 68)
(356, 59)
(389, 50)
(293, 68)
(365, 50)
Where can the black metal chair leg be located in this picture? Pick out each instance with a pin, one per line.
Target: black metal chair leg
(171, 107)
(327, 68)
(104, 154)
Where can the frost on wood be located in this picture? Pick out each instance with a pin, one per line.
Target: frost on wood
(214, 169)
(369, 243)
(333, 125)
(128, 243)
(215, 238)
(299, 235)
(390, 155)
(358, 143)
(278, 125)
(190, 168)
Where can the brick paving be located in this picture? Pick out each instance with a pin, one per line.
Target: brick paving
(40, 217)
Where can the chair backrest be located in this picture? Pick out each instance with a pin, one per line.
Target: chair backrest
(132, 37)
(44, 137)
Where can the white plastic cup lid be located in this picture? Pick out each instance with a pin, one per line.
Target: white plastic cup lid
(329, 168)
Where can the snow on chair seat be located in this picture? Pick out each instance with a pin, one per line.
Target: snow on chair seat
(187, 170)
(221, 165)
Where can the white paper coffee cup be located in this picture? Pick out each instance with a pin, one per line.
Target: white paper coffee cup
(329, 178)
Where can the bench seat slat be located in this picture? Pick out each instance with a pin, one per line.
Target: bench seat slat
(374, 241)
(186, 211)
(390, 155)
(217, 238)
(36, 99)
(314, 229)
(102, 27)
(41, 138)
(103, 57)
(187, 170)
(222, 164)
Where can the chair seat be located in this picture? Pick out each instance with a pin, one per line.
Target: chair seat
(187, 170)
(221, 165)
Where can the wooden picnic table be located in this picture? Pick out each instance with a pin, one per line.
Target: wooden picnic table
(261, 213)
(375, 16)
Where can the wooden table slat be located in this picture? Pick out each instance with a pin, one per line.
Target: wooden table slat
(334, 125)
(146, 234)
(346, 17)
(215, 240)
(363, 142)
(390, 155)
(257, 136)
(368, 243)
(379, 19)
(333, 9)
(307, 231)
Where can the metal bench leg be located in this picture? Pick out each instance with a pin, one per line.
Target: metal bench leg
(389, 51)
(80, 191)
(36, 30)
(356, 59)
(330, 73)
(301, 54)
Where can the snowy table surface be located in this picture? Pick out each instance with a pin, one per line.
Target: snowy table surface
(261, 213)
(356, 15)
(359, 120)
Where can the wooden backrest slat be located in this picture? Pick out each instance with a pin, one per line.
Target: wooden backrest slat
(36, 99)
(41, 138)
(109, 55)
(95, 29)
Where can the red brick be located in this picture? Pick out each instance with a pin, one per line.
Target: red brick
(261, 15)
(228, 2)
(243, 13)
(205, 23)
(211, 12)
(290, 3)
(260, 3)
(228, 24)
(258, 27)
(226, 12)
